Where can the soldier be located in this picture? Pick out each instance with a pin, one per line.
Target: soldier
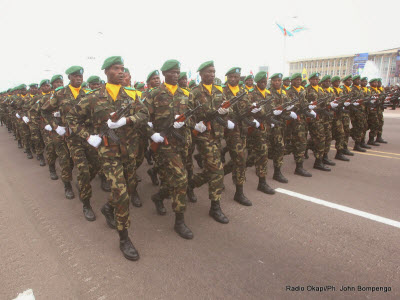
(316, 126)
(257, 137)
(89, 119)
(192, 84)
(337, 124)
(373, 119)
(285, 82)
(366, 92)
(236, 138)
(296, 129)
(304, 83)
(249, 82)
(182, 82)
(380, 110)
(358, 117)
(140, 86)
(94, 82)
(347, 81)
(20, 104)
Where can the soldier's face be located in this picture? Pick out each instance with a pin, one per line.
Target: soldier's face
(75, 80)
(154, 81)
(356, 82)
(276, 83)
(249, 82)
(379, 83)
(286, 82)
(33, 90)
(262, 84)
(94, 85)
(127, 79)
(326, 83)
(336, 83)
(24, 92)
(57, 83)
(207, 75)
(172, 76)
(296, 82)
(314, 81)
(374, 84)
(46, 87)
(115, 74)
(364, 83)
(348, 82)
(233, 79)
(303, 83)
(183, 82)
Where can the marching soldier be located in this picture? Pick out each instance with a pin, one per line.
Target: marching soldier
(182, 82)
(358, 117)
(285, 82)
(373, 119)
(347, 81)
(380, 110)
(249, 82)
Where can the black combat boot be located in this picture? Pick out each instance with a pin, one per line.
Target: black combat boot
(135, 199)
(264, 187)
(29, 154)
(53, 173)
(69, 193)
(327, 161)
(240, 197)
(320, 166)
(19, 144)
(153, 176)
(278, 176)
(181, 228)
(372, 142)
(148, 155)
(125, 244)
(379, 139)
(108, 211)
(191, 195)
(158, 202)
(104, 183)
(340, 156)
(88, 211)
(217, 214)
(41, 160)
(306, 154)
(364, 145)
(346, 151)
(301, 171)
(199, 160)
(358, 148)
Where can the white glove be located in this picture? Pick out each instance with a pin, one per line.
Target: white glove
(277, 112)
(223, 111)
(231, 125)
(272, 125)
(388, 98)
(289, 107)
(157, 138)
(293, 115)
(150, 124)
(255, 110)
(26, 120)
(346, 104)
(48, 127)
(313, 113)
(257, 123)
(334, 104)
(178, 125)
(60, 130)
(373, 101)
(200, 127)
(18, 116)
(114, 125)
(356, 104)
(311, 106)
(94, 140)
(57, 114)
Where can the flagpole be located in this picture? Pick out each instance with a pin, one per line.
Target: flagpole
(284, 54)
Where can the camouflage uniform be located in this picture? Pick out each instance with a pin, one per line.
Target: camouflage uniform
(357, 115)
(366, 92)
(119, 160)
(337, 124)
(373, 117)
(327, 120)
(380, 109)
(346, 118)
(36, 136)
(23, 127)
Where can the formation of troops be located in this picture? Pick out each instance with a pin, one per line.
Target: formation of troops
(109, 129)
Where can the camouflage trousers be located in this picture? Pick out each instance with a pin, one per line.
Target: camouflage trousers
(317, 141)
(277, 145)
(236, 145)
(64, 158)
(296, 139)
(359, 124)
(338, 132)
(327, 123)
(36, 137)
(16, 129)
(380, 121)
(26, 136)
(87, 162)
(213, 171)
(50, 146)
(346, 128)
(142, 146)
(257, 150)
(373, 123)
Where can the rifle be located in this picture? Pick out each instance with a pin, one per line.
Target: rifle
(215, 115)
(319, 109)
(170, 129)
(269, 116)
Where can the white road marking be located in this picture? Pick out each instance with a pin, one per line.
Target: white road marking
(26, 295)
(341, 207)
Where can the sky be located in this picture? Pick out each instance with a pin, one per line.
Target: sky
(42, 38)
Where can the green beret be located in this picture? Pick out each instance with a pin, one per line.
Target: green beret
(260, 75)
(22, 86)
(233, 70)
(93, 79)
(286, 78)
(326, 77)
(74, 70)
(295, 75)
(346, 77)
(364, 78)
(192, 83)
(304, 81)
(373, 79)
(276, 75)
(182, 74)
(379, 79)
(84, 84)
(33, 85)
(240, 82)
(170, 64)
(126, 70)
(315, 74)
(44, 81)
(139, 85)
(151, 74)
(249, 77)
(206, 64)
(335, 78)
(56, 77)
(112, 60)
(356, 77)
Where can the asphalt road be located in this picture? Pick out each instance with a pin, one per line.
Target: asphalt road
(48, 246)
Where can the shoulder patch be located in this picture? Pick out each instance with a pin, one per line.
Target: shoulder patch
(218, 87)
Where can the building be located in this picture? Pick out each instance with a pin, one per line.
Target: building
(383, 62)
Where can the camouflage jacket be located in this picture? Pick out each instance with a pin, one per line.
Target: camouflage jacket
(316, 94)
(35, 112)
(199, 95)
(27, 105)
(255, 96)
(163, 107)
(302, 105)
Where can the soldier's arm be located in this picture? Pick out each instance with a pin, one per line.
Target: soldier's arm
(148, 103)
(77, 116)
(47, 109)
(141, 116)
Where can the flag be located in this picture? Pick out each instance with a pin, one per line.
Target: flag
(298, 29)
(284, 31)
(304, 75)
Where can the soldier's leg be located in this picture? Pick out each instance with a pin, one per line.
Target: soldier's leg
(189, 169)
(327, 123)
(346, 128)
(26, 136)
(37, 140)
(260, 151)
(299, 145)
(338, 136)
(64, 160)
(356, 130)
(317, 133)
(373, 126)
(379, 138)
(137, 149)
(277, 143)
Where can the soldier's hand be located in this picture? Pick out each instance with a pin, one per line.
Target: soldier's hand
(178, 125)
(277, 112)
(48, 127)
(347, 103)
(18, 116)
(26, 120)
(313, 113)
(60, 130)
(333, 104)
(293, 115)
(150, 124)
(57, 114)
(114, 125)
(257, 123)
(311, 106)
(94, 140)
(157, 138)
(223, 111)
(356, 104)
(200, 127)
(290, 107)
(231, 125)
